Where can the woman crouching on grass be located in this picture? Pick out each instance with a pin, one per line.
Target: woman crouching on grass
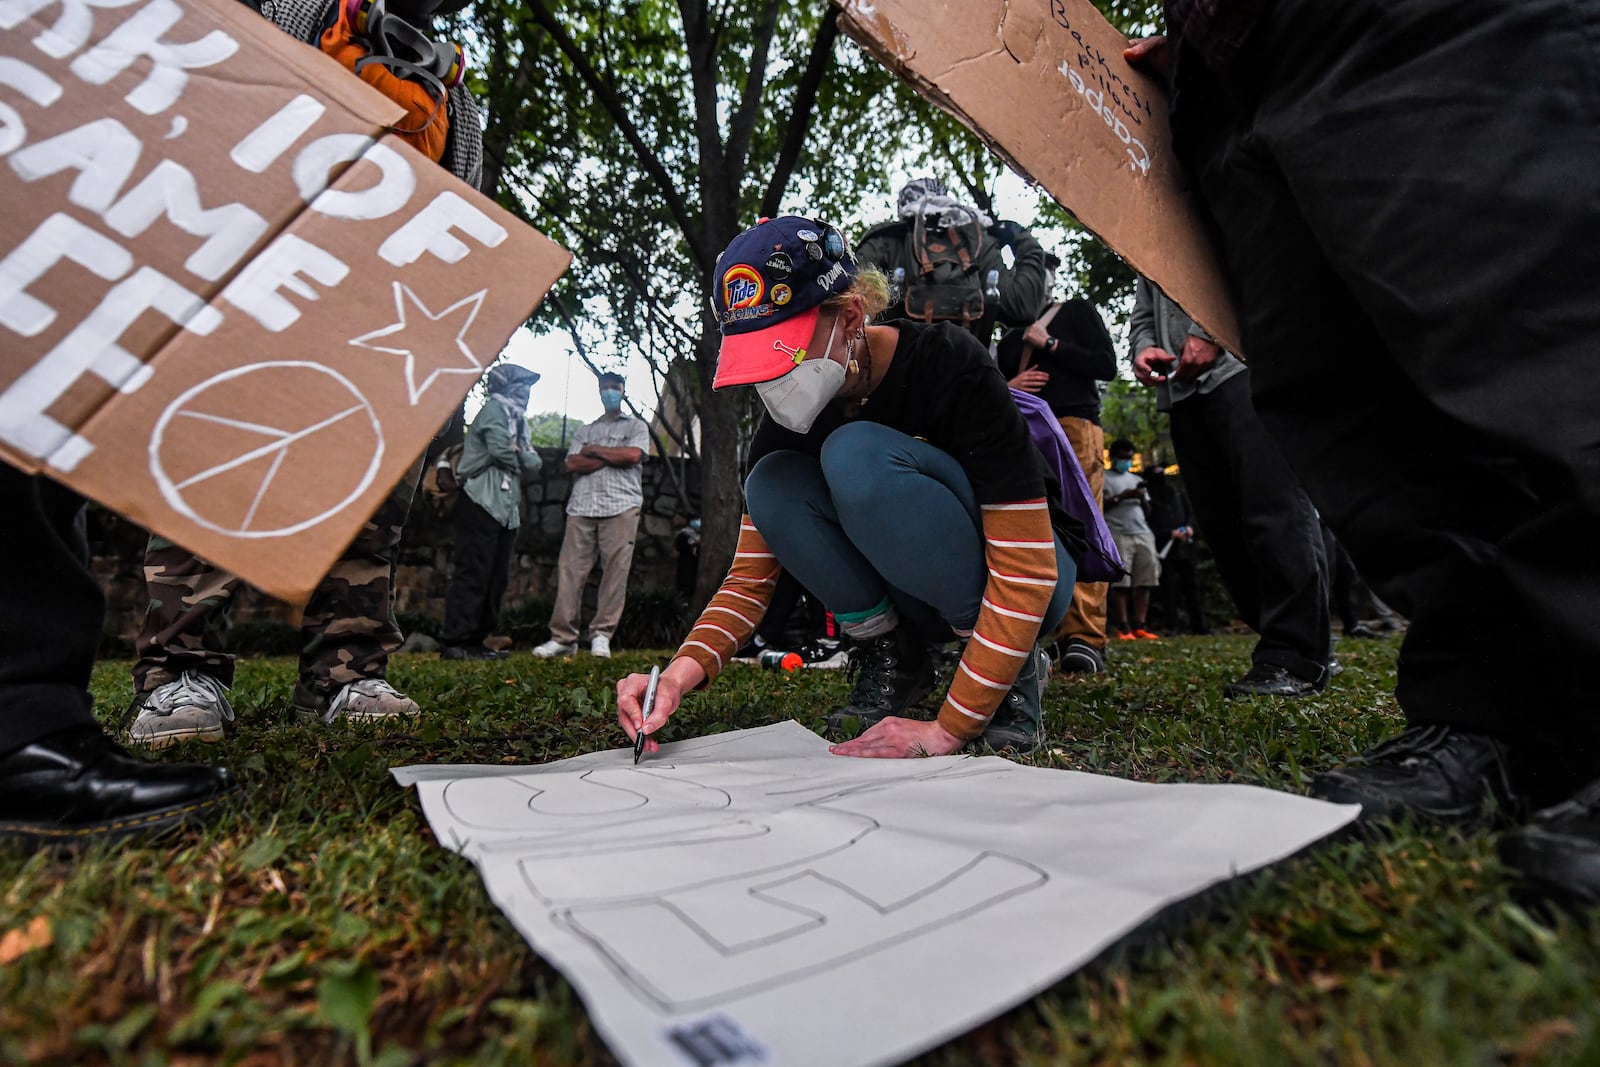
(894, 476)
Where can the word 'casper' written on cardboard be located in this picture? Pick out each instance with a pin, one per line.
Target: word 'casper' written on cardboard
(1104, 89)
(104, 155)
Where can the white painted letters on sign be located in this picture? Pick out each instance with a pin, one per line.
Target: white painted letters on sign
(430, 232)
(195, 203)
(142, 35)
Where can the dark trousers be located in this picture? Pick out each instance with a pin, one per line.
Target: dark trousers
(774, 628)
(1342, 582)
(1414, 242)
(1261, 528)
(51, 611)
(1180, 588)
(480, 568)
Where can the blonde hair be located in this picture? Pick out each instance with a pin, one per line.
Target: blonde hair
(871, 287)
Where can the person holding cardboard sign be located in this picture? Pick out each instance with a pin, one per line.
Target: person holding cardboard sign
(1404, 194)
(895, 477)
(183, 674)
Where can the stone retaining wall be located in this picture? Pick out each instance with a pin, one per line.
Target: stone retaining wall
(424, 567)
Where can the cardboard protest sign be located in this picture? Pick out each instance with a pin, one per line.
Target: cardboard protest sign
(232, 307)
(1044, 84)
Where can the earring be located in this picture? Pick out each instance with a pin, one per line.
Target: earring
(850, 357)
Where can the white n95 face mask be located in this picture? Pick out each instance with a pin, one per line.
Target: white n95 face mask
(795, 400)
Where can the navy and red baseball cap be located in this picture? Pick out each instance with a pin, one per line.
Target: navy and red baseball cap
(769, 286)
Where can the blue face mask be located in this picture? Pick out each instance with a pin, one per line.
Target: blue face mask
(694, 524)
(1122, 466)
(611, 398)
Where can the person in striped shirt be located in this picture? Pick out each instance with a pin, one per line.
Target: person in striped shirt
(894, 476)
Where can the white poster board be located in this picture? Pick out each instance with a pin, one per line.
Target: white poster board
(748, 898)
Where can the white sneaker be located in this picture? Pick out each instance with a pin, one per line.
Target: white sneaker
(368, 700)
(552, 648)
(193, 707)
(600, 646)
(825, 653)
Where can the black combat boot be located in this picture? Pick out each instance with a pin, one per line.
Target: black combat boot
(891, 673)
(1017, 727)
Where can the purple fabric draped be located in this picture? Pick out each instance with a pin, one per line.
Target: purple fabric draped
(1100, 563)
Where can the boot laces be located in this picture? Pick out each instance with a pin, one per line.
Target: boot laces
(1412, 746)
(367, 687)
(871, 671)
(192, 689)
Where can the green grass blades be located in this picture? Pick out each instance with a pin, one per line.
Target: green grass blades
(318, 922)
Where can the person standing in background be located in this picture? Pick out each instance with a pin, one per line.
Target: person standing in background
(1260, 526)
(945, 261)
(1125, 503)
(496, 459)
(602, 521)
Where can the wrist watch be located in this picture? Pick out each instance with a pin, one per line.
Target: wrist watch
(1052, 344)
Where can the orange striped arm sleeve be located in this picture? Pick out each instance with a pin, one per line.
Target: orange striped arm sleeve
(737, 609)
(1020, 550)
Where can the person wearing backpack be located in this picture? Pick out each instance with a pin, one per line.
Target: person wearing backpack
(945, 262)
(496, 458)
(348, 628)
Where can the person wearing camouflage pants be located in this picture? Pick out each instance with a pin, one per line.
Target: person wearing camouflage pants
(348, 627)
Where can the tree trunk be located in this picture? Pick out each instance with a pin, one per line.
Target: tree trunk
(721, 485)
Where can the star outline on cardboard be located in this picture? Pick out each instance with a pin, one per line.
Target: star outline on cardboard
(402, 295)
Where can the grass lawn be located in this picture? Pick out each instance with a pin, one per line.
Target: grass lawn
(318, 922)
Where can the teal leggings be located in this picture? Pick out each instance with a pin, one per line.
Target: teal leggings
(883, 515)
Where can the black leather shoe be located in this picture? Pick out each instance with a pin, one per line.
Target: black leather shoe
(77, 785)
(1429, 773)
(1558, 853)
(1267, 680)
(891, 673)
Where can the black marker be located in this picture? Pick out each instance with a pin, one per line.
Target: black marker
(649, 706)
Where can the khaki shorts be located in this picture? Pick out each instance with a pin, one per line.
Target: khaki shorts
(1138, 552)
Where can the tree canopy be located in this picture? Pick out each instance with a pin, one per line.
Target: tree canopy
(644, 136)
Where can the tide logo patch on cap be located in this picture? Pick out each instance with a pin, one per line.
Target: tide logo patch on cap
(742, 287)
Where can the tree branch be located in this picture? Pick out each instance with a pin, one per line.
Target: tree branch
(619, 114)
(716, 186)
(743, 126)
(805, 104)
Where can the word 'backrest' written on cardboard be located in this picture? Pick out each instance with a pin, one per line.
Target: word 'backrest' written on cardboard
(232, 307)
(1044, 84)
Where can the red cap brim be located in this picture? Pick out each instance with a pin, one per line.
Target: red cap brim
(765, 355)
